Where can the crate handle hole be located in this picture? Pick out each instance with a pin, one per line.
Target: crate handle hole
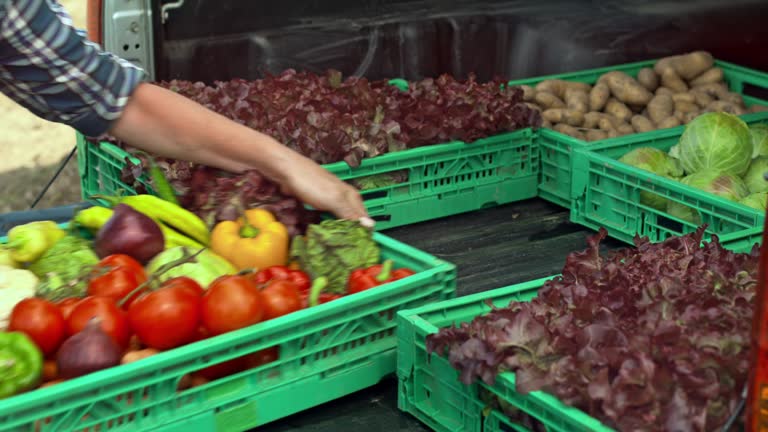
(755, 91)
(374, 195)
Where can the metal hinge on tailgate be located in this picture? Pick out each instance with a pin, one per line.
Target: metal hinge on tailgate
(127, 32)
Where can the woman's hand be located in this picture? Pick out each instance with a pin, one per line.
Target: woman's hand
(317, 187)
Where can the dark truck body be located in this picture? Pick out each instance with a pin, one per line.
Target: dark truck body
(219, 40)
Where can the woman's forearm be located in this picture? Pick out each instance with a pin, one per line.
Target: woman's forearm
(164, 123)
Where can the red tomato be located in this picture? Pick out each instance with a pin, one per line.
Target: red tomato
(116, 284)
(185, 283)
(67, 305)
(42, 321)
(114, 321)
(324, 298)
(230, 303)
(276, 273)
(123, 261)
(280, 298)
(168, 317)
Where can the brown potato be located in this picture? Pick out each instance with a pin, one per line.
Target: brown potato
(553, 115)
(684, 97)
(598, 97)
(672, 80)
(548, 100)
(596, 135)
(668, 122)
(660, 108)
(626, 89)
(664, 91)
(716, 90)
(642, 123)
(687, 117)
(648, 79)
(758, 108)
(606, 124)
(690, 66)
(701, 98)
(546, 124)
(686, 66)
(733, 98)
(613, 133)
(711, 76)
(577, 100)
(574, 117)
(528, 92)
(569, 130)
(591, 119)
(558, 87)
(564, 115)
(618, 110)
(664, 64)
(686, 106)
(725, 106)
(625, 129)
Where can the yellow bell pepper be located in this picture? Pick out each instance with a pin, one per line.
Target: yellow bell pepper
(256, 241)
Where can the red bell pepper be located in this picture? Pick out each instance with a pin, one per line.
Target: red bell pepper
(322, 298)
(275, 273)
(373, 276)
(402, 273)
(316, 296)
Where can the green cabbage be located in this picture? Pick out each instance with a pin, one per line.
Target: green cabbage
(657, 162)
(755, 176)
(334, 249)
(759, 134)
(757, 201)
(715, 142)
(721, 184)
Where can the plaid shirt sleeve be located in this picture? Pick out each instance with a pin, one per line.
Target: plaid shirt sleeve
(49, 67)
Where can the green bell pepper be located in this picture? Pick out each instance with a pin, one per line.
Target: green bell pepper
(21, 364)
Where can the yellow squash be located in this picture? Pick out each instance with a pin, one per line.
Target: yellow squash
(256, 241)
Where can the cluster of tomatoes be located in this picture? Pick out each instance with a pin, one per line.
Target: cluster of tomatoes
(176, 313)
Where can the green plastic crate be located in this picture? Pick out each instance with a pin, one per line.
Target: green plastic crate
(606, 193)
(442, 180)
(556, 148)
(429, 387)
(326, 352)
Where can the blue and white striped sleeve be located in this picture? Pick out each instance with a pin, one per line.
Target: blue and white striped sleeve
(50, 68)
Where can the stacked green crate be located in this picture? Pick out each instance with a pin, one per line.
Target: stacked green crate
(557, 149)
(439, 180)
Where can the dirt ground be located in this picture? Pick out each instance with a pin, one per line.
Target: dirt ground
(32, 150)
